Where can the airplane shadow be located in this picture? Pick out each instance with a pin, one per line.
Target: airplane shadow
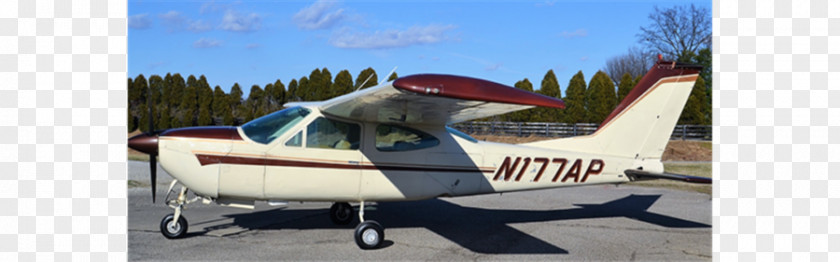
(477, 229)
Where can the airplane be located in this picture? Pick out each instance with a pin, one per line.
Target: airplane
(391, 142)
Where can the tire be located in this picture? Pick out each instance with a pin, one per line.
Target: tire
(369, 235)
(341, 213)
(175, 230)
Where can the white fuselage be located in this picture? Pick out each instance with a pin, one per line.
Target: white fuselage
(247, 170)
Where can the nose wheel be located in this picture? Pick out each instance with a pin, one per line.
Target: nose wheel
(171, 228)
(368, 234)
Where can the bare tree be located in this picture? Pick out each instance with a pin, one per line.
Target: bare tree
(678, 32)
(636, 62)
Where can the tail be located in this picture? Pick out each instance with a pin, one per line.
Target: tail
(641, 125)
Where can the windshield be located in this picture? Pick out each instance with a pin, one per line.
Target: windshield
(265, 129)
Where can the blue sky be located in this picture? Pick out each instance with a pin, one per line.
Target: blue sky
(258, 42)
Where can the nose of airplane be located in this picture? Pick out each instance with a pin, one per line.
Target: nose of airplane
(144, 143)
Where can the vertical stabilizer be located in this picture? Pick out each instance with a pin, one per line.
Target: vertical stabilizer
(641, 125)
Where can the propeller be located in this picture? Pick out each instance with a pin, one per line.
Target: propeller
(148, 143)
(153, 155)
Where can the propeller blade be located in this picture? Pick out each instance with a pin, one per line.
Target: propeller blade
(152, 156)
(153, 166)
(151, 104)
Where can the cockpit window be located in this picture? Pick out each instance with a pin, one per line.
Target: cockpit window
(396, 138)
(295, 141)
(461, 134)
(265, 129)
(328, 133)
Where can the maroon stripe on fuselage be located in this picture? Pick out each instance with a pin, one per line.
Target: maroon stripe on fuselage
(216, 159)
(210, 132)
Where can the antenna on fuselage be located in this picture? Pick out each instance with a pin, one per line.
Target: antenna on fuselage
(371, 75)
(389, 73)
(363, 83)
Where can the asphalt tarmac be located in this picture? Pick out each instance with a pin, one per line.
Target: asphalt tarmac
(624, 223)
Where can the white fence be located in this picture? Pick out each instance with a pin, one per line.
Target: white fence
(681, 132)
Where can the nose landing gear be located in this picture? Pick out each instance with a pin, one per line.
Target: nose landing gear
(175, 225)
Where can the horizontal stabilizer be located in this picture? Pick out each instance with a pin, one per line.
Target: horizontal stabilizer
(637, 175)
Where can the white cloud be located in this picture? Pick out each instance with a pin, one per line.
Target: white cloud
(140, 21)
(206, 43)
(172, 20)
(577, 33)
(415, 35)
(319, 15)
(213, 6)
(234, 21)
(175, 21)
(199, 26)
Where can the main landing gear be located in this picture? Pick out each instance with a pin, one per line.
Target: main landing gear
(175, 225)
(368, 234)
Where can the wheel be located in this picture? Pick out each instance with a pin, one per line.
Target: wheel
(341, 213)
(369, 234)
(171, 229)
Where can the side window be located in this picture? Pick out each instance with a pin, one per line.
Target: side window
(395, 138)
(327, 133)
(296, 140)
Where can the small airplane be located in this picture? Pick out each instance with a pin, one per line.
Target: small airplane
(391, 142)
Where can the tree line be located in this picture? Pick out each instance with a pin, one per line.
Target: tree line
(178, 102)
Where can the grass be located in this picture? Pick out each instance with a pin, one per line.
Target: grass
(135, 183)
(703, 169)
(138, 157)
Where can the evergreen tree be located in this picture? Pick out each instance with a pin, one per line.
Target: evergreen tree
(205, 100)
(141, 89)
(343, 83)
(234, 102)
(156, 84)
(221, 108)
(528, 115)
(164, 117)
(267, 100)
(368, 72)
(132, 122)
(625, 86)
(694, 112)
(576, 99)
(252, 106)
(324, 86)
(392, 77)
(177, 86)
(133, 100)
(189, 103)
(291, 94)
(600, 97)
(304, 90)
(549, 87)
(278, 94)
(314, 90)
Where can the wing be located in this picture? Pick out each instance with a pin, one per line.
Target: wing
(432, 100)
